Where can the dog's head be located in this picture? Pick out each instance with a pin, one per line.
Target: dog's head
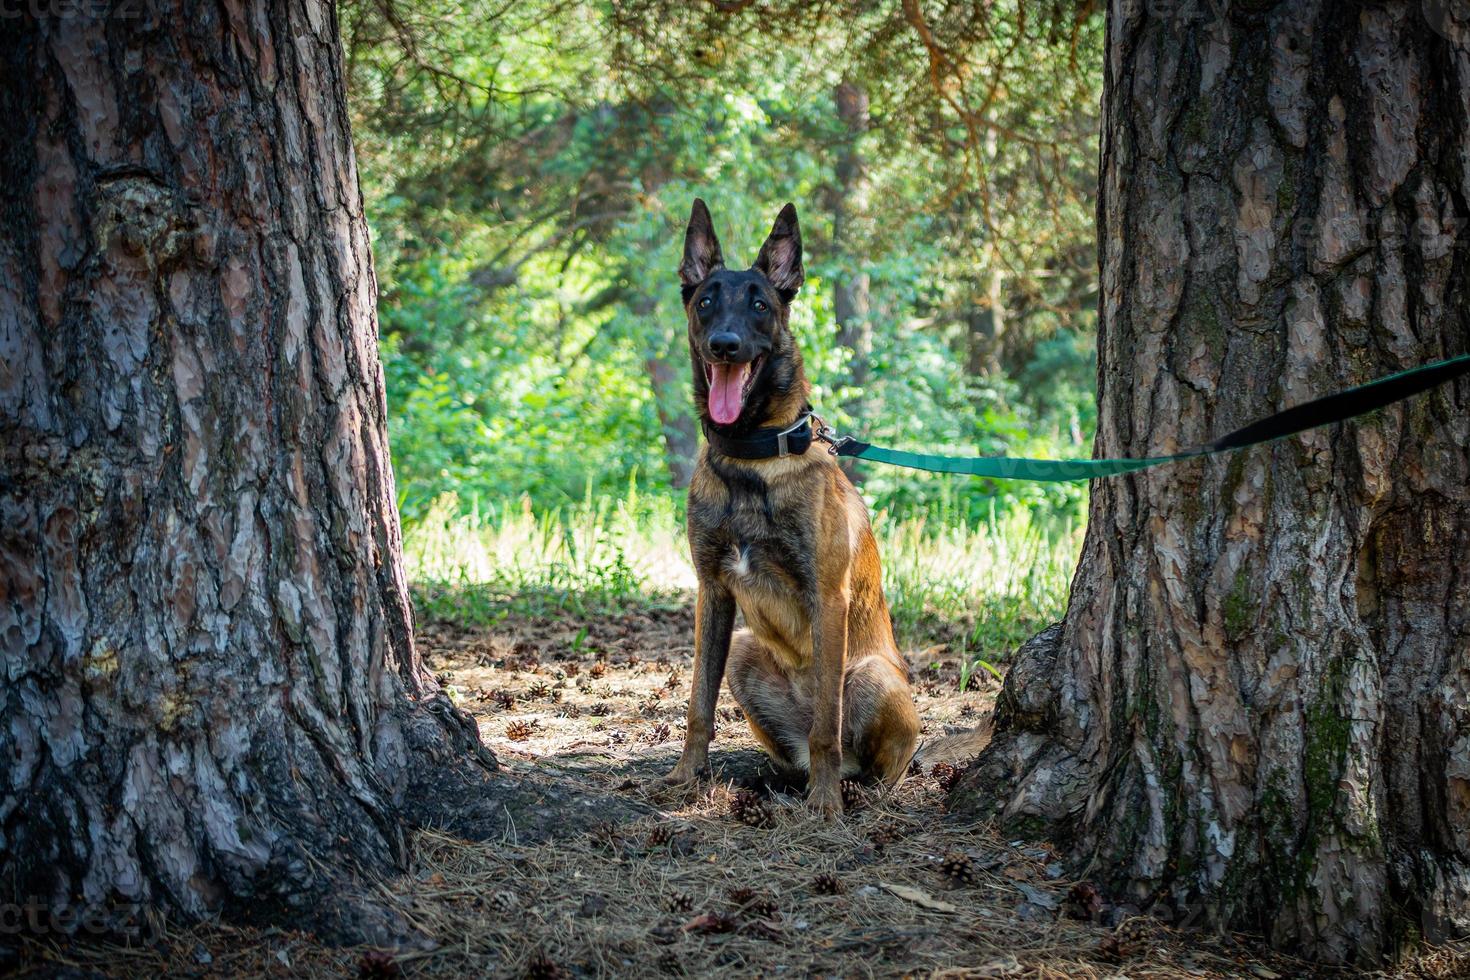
(745, 360)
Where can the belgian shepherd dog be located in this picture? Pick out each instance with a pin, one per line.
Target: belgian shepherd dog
(777, 530)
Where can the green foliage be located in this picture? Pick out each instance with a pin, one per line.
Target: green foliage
(528, 170)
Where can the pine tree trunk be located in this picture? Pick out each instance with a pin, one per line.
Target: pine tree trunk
(985, 330)
(668, 380)
(1257, 709)
(850, 297)
(212, 702)
(681, 433)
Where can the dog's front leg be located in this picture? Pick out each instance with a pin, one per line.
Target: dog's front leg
(714, 620)
(824, 740)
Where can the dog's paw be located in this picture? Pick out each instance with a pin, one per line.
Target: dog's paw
(681, 782)
(825, 802)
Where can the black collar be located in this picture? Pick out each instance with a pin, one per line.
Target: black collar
(766, 443)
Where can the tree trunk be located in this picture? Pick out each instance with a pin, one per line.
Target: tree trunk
(987, 324)
(1257, 708)
(212, 702)
(668, 379)
(985, 329)
(850, 300)
(681, 433)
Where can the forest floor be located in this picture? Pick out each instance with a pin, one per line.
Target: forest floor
(597, 874)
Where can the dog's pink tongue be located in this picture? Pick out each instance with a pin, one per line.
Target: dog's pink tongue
(726, 392)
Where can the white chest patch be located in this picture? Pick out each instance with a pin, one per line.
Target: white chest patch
(740, 561)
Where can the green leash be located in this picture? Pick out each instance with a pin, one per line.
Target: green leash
(1321, 411)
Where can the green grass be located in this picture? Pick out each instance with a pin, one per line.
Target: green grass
(985, 588)
(981, 589)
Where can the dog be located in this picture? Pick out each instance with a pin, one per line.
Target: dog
(778, 531)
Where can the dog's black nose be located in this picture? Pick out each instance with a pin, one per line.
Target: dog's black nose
(724, 344)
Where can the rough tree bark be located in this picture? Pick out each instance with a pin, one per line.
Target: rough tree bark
(1257, 707)
(211, 698)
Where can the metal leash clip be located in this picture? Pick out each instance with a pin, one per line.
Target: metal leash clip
(829, 435)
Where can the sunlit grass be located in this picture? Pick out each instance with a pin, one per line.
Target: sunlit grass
(984, 588)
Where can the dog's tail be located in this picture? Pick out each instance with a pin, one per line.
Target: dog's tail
(956, 748)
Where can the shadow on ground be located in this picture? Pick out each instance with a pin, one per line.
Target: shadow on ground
(572, 865)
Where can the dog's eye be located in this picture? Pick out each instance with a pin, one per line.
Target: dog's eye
(760, 306)
(705, 303)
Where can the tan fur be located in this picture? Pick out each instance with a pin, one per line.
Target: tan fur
(775, 669)
(787, 541)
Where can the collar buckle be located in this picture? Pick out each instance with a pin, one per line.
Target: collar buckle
(781, 447)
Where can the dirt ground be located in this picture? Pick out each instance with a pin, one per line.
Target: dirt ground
(593, 873)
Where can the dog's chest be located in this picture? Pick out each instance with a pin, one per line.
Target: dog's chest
(760, 549)
(771, 591)
(758, 552)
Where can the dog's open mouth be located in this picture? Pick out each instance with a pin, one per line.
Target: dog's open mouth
(728, 386)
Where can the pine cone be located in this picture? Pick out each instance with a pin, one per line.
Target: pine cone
(1110, 950)
(749, 807)
(827, 884)
(599, 709)
(748, 901)
(1084, 901)
(504, 700)
(958, 868)
(853, 795)
(680, 902)
(543, 967)
(916, 768)
(378, 964)
(520, 731)
(606, 835)
(1135, 929)
(885, 834)
(946, 775)
(659, 835)
(598, 668)
(765, 907)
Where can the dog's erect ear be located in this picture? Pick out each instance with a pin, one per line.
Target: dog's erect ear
(780, 258)
(701, 249)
